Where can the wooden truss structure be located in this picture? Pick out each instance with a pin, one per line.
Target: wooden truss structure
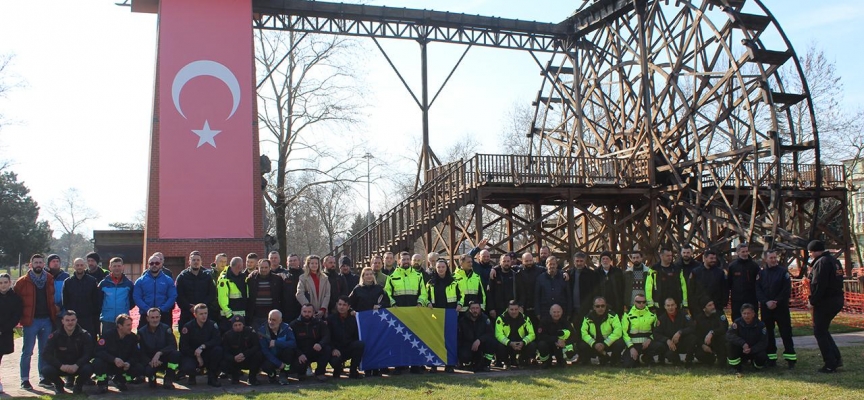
(658, 123)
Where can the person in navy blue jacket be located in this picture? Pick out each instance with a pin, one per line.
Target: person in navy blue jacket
(155, 289)
(773, 288)
(279, 347)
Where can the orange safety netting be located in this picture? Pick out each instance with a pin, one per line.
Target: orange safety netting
(853, 307)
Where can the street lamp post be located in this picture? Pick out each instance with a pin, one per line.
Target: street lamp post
(368, 158)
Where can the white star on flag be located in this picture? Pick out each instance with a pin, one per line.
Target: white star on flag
(399, 329)
(422, 350)
(383, 316)
(415, 343)
(391, 322)
(429, 358)
(206, 135)
(406, 335)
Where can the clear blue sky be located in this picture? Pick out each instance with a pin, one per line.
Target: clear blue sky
(82, 118)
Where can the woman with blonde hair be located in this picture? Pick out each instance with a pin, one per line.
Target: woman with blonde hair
(369, 294)
(314, 287)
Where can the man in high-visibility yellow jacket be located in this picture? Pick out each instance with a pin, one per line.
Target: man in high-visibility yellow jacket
(636, 327)
(515, 335)
(601, 335)
(470, 283)
(231, 292)
(405, 286)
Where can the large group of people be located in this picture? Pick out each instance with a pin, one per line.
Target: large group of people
(277, 321)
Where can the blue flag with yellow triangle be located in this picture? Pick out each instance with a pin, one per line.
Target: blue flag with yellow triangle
(406, 336)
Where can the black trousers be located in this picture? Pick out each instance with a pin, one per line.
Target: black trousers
(781, 317)
(480, 358)
(510, 356)
(612, 354)
(91, 325)
(352, 351)
(53, 374)
(233, 368)
(548, 350)
(211, 356)
(737, 356)
(287, 356)
(823, 314)
(104, 369)
(685, 346)
(320, 357)
(718, 352)
(170, 365)
(655, 348)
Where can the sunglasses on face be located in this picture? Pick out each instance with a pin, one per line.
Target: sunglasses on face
(155, 263)
(641, 302)
(600, 306)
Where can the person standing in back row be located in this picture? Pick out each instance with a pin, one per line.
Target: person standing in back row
(10, 314)
(773, 288)
(826, 298)
(742, 280)
(36, 289)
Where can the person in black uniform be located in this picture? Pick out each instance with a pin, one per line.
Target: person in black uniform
(68, 353)
(742, 280)
(502, 288)
(117, 355)
(826, 298)
(773, 288)
(476, 343)
(583, 288)
(291, 277)
(313, 341)
(708, 283)
(555, 335)
(195, 285)
(242, 350)
(158, 349)
(81, 293)
(200, 347)
(709, 327)
(526, 283)
(345, 338)
(674, 331)
(747, 340)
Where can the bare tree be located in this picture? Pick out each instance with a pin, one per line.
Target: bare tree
(328, 202)
(71, 213)
(517, 125)
(136, 224)
(305, 85)
(5, 83)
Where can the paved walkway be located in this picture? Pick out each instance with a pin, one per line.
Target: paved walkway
(9, 372)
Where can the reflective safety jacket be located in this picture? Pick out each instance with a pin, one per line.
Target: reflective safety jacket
(230, 295)
(663, 283)
(504, 325)
(471, 286)
(610, 328)
(636, 326)
(406, 288)
(452, 289)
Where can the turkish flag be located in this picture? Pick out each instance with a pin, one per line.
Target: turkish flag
(206, 119)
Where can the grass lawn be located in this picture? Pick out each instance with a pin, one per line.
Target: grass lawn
(594, 383)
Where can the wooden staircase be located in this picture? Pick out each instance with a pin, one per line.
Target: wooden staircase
(447, 188)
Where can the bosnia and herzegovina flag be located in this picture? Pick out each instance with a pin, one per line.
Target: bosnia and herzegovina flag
(406, 336)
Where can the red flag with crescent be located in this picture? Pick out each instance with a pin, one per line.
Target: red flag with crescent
(205, 119)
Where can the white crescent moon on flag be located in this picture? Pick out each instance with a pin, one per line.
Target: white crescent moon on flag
(205, 68)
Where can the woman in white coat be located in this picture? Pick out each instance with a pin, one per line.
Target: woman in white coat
(313, 287)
